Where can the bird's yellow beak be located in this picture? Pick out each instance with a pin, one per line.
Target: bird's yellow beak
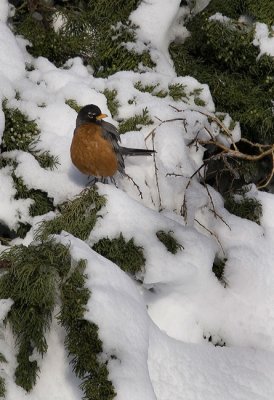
(101, 116)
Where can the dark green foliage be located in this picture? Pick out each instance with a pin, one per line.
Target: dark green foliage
(151, 89)
(244, 207)
(112, 102)
(2, 358)
(42, 203)
(2, 388)
(20, 133)
(31, 282)
(47, 160)
(145, 88)
(133, 123)
(177, 91)
(218, 268)
(77, 216)
(82, 341)
(112, 54)
(125, 254)
(262, 10)
(27, 371)
(4, 162)
(2, 380)
(76, 38)
(223, 56)
(73, 104)
(169, 241)
(37, 277)
(95, 31)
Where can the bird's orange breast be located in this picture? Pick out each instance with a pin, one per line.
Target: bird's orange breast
(91, 153)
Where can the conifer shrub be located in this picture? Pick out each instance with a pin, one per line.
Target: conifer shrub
(222, 55)
(95, 31)
(244, 206)
(152, 89)
(31, 282)
(47, 160)
(2, 380)
(42, 204)
(77, 216)
(169, 241)
(112, 102)
(20, 133)
(82, 341)
(73, 104)
(133, 123)
(2, 387)
(177, 91)
(261, 10)
(37, 277)
(126, 254)
(218, 268)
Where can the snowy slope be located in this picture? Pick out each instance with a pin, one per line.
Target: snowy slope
(159, 329)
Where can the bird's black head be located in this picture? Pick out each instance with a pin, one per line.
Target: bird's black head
(89, 113)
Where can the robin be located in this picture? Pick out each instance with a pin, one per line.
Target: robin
(95, 148)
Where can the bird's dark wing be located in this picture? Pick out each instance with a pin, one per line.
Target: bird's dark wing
(111, 134)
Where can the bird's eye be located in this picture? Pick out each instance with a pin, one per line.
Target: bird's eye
(91, 115)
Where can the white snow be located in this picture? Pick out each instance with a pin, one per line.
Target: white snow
(12, 64)
(4, 10)
(264, 39)
(162, 328)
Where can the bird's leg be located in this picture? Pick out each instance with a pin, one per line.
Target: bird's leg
(92, 180)
(112, 180)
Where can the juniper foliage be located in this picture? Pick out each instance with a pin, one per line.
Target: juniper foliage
(126, 254)
(31, 282)
(95, 31)
(82, 341)
(169, 241)
(77, 216)
(223, 55)
(134, 123)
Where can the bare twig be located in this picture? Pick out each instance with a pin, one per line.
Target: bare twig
(239, 154)
(135, 184)
(176, 175)
(211, 233)
(261, 186)
(156, 170)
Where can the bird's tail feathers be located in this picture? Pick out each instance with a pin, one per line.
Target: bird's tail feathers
(136, 152)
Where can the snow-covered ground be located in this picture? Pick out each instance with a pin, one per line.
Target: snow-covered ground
(158, 330)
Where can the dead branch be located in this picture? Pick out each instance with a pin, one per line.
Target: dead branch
(156, 170)
(239, 154)
(135, 184)
(212, 234)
